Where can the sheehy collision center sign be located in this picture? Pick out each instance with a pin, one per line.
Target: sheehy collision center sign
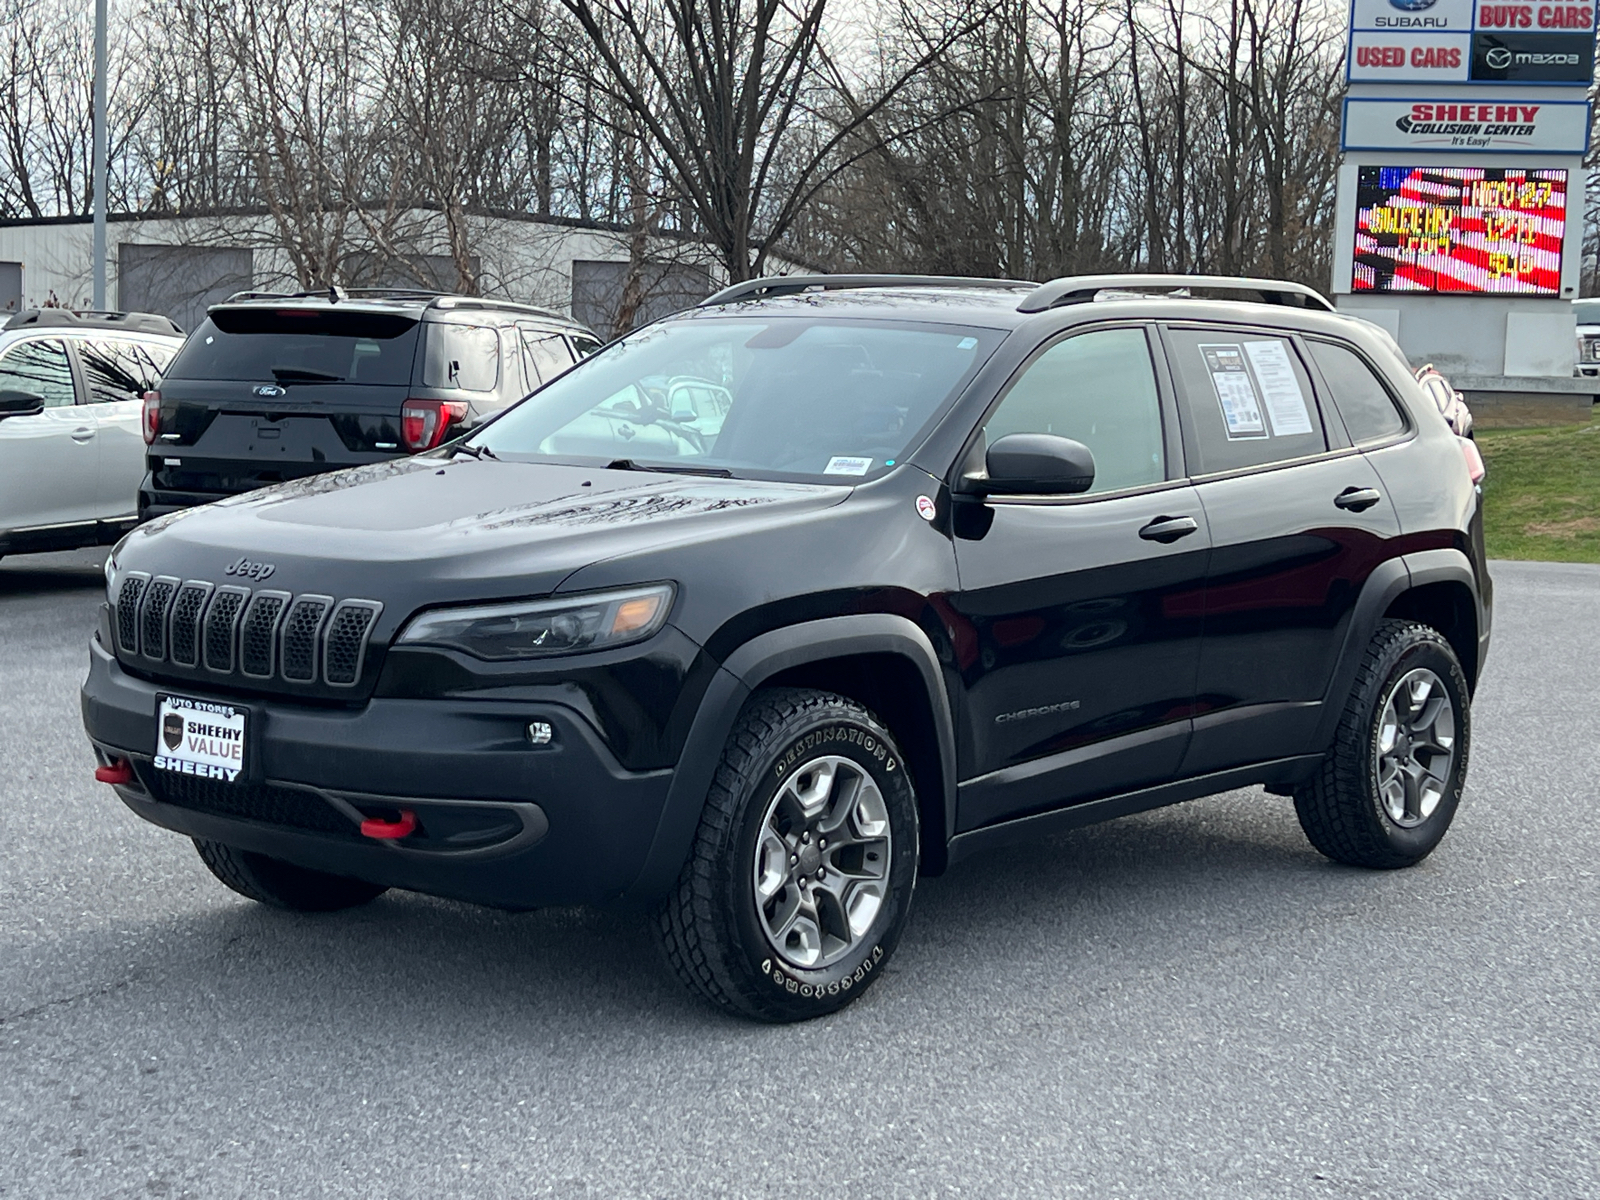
(1517, 126)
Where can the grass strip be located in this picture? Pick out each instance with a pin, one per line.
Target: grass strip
(1542, 493)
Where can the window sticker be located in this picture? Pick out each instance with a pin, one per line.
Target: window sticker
(1236, 392)
(1286, 403)
(966, 343)
(841, 465)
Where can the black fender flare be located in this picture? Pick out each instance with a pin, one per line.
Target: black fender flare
(1390, 580)
(744, 670)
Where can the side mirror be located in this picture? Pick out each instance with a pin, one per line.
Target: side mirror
(1037, 464)
(20, 404)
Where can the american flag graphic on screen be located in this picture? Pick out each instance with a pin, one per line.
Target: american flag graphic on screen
(1459, 229)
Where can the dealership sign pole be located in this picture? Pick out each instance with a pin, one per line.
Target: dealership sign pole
(1460, 197)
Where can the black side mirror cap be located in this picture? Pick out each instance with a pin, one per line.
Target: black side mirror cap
(1035, 464)
(20, 404)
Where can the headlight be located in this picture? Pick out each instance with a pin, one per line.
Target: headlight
(542, 628)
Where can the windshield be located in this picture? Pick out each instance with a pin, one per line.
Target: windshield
(786, 397)
(1587, 311)
(299, 346)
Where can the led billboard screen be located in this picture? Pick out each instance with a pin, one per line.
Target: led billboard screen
(1472, 230)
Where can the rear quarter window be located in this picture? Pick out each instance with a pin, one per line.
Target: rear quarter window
(465, 357)
(1368, 410)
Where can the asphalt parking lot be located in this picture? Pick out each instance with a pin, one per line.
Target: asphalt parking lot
(1186, 1003)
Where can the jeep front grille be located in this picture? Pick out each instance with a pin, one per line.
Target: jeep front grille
(229, 630)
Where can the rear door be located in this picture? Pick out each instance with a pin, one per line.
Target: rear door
(1087, 626)
(1298, 522)
(48, 463)
(116, 373)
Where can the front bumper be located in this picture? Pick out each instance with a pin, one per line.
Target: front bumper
(502, 821)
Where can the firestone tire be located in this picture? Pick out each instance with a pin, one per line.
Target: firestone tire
(770, 919)
(274, 882)
(1391, 783)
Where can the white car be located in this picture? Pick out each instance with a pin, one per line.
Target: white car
(71, 449)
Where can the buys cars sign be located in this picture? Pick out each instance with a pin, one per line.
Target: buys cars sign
(1539, 127)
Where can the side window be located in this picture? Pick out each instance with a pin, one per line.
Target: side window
(39, 368)
(547, 355)
(118, 370)
(1364, 403)
(1248, 397)
(461, 356)
(584, 346)
(1097, 388)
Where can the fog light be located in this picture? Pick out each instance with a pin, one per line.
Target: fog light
(540, 733)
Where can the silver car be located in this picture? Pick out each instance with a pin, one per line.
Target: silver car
(71, 448)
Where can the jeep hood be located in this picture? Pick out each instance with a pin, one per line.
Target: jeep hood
(475, 528)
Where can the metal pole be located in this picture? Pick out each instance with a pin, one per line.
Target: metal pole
(100, 154)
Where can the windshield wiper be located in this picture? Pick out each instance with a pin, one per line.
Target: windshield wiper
(300, 375)
(474, 451)
(630, 464)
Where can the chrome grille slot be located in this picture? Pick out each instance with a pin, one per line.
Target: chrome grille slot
(301, 627)
(221, 619)
(128, 611)
(183, 630)
(258, 636)
(153, 616)
(346, 639)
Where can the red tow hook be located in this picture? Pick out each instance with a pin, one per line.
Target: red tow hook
(120, 771)
(377, 827)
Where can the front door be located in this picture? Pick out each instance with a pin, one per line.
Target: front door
(1298, 521)
(1085, 611)
(48, 463)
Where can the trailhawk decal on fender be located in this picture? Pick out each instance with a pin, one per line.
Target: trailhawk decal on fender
(789, 983)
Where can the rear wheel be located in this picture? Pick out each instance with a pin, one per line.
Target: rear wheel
(1389, 787)
(281, 884)
(799, 882)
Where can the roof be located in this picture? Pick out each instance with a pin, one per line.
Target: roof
(408, 300)
(1006, 303)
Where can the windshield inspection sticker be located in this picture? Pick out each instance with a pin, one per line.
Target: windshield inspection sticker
(1236, 392)
(840, 465)
(1286, 403)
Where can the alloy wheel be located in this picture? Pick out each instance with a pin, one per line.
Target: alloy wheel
(821, 866)
(1416, 747)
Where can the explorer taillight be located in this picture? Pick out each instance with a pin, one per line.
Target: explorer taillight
(425, 423)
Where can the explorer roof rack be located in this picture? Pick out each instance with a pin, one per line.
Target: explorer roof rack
(788, 285)
(82, 318)
(425, 297)
(1079, 289)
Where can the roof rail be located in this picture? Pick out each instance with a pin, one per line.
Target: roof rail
(1078, 289)
(788, 285)
(83, 318)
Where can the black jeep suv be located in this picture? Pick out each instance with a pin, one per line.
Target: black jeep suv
(274, 387)
(775, 603)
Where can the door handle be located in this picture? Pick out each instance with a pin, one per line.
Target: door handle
(1169, 529)
(83, 433)
(1356, 499)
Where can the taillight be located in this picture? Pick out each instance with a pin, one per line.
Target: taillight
(425, 423)
(1475, 467)
(152, 416)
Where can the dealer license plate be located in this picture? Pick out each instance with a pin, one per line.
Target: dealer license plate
(198, 737)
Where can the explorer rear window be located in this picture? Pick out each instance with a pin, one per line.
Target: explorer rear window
(300, 346)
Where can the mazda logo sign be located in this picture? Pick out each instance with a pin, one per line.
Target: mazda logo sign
(1498, 57)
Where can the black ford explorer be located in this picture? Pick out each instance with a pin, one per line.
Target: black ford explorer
(774, 604)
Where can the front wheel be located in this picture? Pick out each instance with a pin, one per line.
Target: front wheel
(800, 879)
(1389, 788)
